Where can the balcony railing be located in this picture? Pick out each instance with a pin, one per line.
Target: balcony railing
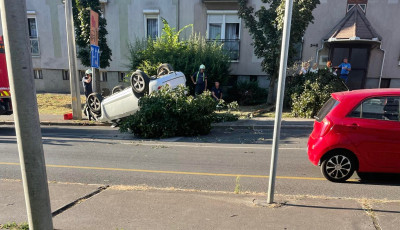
(231, 46)
(35, 49)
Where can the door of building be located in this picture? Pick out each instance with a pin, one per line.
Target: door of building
(358, 56)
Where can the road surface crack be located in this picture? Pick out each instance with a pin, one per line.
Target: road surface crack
(367, 207)
(79, 200)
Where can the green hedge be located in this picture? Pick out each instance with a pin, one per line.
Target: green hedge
(306, 94)
(170, 112)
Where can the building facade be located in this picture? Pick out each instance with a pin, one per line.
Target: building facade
(364, 31)
(129, 20)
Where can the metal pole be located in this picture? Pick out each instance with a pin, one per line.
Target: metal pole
(26, 116)
(279, 102)
(74, 80)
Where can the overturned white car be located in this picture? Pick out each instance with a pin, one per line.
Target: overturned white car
(124, 102)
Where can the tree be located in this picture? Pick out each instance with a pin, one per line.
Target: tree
(81, 11)
(265, 26)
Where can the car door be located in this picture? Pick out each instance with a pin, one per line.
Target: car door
(375, 134)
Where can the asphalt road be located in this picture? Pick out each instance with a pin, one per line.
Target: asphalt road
(220, 161)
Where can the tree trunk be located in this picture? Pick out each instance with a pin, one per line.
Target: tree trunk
(271, 90)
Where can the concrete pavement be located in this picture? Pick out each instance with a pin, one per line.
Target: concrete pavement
(141, 207)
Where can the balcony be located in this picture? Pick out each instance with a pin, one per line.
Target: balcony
(231, 46)
(35, 50)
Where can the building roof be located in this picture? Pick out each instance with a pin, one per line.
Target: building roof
(354, 26)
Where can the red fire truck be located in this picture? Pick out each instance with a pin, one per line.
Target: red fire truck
(5, 96)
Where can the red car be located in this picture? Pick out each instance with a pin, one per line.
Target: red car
(357, 131)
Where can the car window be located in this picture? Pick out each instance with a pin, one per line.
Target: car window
(328, 106)
(380, 108)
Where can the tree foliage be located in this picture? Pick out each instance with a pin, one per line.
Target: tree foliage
(307, 93)
(183, 55)
(169, 112)
(265, 26)
(81, 12)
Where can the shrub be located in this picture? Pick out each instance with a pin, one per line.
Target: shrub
(169, 112)
(307, 94)
(247, 93)
(184, 55)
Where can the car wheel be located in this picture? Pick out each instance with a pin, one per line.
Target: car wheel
(164, 69)
(338, 167)
(117, 89)
(140, 82)
(94, 102)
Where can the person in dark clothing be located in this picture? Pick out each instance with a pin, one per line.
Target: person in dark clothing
(87, 83)
(201, 80)
(216, 92)
(87, 88)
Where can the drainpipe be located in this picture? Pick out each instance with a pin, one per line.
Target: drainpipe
(383, 63)
(318, 50)
(177, 15)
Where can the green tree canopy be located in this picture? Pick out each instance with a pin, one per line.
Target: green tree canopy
(265, 26)
(81, 11)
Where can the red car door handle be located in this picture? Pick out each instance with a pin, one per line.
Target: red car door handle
(354, 125)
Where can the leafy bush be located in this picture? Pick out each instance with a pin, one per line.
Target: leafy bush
(224, 117)
(307, 94)
(169, 112)
(183, 55)
(247, 93)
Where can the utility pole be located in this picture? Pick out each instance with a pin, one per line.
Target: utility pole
(73, 71)
(26, 116)
(279, 102)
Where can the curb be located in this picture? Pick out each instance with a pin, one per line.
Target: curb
(223, 126)
(262, 126)
(51, 123)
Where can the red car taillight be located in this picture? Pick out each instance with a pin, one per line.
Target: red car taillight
(326, 126)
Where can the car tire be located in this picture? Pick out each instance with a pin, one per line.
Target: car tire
(117, 89)
(164, 69)
(338, 166)
(140, 82)
(94, 102)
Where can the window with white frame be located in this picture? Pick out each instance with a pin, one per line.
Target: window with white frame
(33, 33)
(37, 74)
(103, 76)
(152, 23)
(224, 26)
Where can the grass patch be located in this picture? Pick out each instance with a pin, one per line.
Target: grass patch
(55, 104)
(15, 226)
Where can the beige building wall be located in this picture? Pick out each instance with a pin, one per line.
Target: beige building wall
(383, 16)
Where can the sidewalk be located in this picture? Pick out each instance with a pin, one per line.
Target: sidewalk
(256, 123)
(123, 207)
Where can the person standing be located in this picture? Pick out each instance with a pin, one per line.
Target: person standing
(314, 68)
(345, 70)
(201, 80)
(216, 92)
(304, 68)
(330, 69)
(87, 88)
(87, 83)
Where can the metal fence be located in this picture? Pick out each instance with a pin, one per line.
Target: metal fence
(231, 46)
(35, 50)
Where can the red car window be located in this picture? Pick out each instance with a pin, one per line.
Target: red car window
(380, 108)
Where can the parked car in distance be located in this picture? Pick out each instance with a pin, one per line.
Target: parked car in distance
(357, 131)
(125, 102)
